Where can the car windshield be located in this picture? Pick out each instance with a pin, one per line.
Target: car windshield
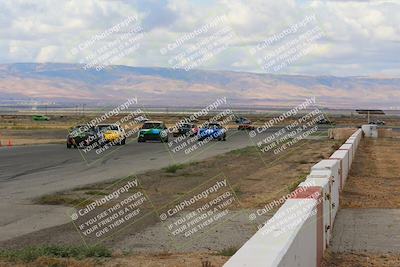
(152, 125)
(81, 129)
(186, 125)
(104, 128)
(213, 126)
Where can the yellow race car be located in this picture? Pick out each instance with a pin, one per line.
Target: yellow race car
(112, 133)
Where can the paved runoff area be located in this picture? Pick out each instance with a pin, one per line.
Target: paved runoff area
(372, 230)
(369, 218)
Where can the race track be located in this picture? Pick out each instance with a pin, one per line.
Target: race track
(28, 172)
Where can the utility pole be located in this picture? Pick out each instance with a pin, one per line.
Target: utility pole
(368, 117)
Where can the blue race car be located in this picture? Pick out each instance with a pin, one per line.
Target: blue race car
(212, 130)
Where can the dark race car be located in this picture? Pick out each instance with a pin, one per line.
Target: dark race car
(378, 122)
(212, 130)
(188, 129)
(153, 131)
(241, 120)
(81, 136)
(246, 126)
(325, 121)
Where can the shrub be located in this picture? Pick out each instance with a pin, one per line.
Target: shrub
(30, 254)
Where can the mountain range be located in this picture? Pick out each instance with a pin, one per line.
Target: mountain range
(168, 87)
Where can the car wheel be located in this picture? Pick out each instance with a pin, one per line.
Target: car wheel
(69, 145)
(123, 142)
(224, 138)
(141, 140)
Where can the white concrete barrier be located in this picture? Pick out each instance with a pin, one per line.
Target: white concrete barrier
(326, 174)
(353, 141)
(349, 148)
(297, 236)
(325, 184)
(357, 135)
(354, 147)
(333, 167)
(370, 130)
(344, 164)
(281, 242)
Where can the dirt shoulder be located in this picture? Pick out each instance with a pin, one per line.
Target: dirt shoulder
(374, 176)
(361, 260)
(365, 230)
(12, 137)
(143, 260)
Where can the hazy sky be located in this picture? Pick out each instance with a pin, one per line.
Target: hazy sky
(359, 37)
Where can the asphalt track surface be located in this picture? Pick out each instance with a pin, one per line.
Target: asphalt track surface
(27, 172)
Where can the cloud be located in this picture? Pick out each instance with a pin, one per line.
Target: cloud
(47, 53)
(357, 33)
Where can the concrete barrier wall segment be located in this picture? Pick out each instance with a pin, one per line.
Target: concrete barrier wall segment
(301, 241)
(275, 244)
(333, 167)
(343, 157)
(325, 185)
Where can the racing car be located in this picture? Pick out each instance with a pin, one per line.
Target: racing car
(153, 131)
(378, 122)
(112, 133)
(40, 118)
(241, 120)
(212, 130)
(325, 121)
(189, 129)
(246, 126)
(82, 135)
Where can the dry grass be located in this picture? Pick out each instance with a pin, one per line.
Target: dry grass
(54, 256)
(54, 262)
(361, 260)
(169, 260)
(141, 260)
(374, 176)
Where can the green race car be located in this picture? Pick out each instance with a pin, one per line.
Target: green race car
(40, 118)
(153, 131)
